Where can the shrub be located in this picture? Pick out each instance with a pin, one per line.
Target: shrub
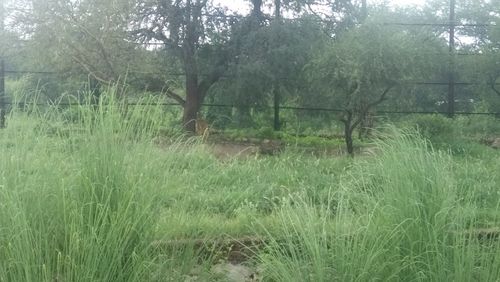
(436, 128)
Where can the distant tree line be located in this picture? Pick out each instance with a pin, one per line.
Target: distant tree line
(336, 53)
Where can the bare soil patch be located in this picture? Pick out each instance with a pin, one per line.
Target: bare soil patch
(228, 150)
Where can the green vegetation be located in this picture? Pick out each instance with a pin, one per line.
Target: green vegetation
(331, 65)
(266, 133)
(102, 176)
(97, 198)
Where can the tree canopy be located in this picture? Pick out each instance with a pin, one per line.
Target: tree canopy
(340, 54)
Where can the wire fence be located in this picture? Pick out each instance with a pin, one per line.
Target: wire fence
(261, 107)
(232, 106)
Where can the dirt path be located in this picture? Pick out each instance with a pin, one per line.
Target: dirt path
(229, 150)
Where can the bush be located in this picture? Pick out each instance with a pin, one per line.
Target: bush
(479, 126)
(436, 128)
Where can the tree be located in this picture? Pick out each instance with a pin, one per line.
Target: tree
(247, 81)
(264, 64)
(479, 64)
(268, 53)
(90, 34)
(359, 71)
(84, 40)
(492, 49)
(486, 69)
(182, 25)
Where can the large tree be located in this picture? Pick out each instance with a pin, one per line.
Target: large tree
(183, 27)
(269, 51)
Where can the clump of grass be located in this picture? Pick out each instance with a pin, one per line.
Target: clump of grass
(400, 217)
(83, 205)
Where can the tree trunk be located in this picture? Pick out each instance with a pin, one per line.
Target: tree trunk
(349, 126)
(192, 105)
(193, 98)
(257, 9)
(348, 138)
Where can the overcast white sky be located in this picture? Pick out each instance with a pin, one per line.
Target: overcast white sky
(243, 6)
(403, 2)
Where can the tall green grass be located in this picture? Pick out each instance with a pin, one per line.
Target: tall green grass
(91, 194)
(78, 202)
(400, 217)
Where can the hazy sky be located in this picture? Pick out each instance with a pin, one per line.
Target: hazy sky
(405, 2)
(244, 6)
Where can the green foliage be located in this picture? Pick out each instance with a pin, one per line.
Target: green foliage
(436, 128)
(91, 203)
(77, 208)
(260, 64)
(400, 217)
(258, 135)
(81, 49)
(355, 70)
(101, 39)
(478, 126)
(462, 135)
(95, 192)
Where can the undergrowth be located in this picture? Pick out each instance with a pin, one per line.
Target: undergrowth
(92, 197)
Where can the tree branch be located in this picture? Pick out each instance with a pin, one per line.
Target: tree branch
(171, 94)
(492, 85)
(88, 68)
(82, 56)
(365, 110)
(357, 122)
(206, 83)
(382, 98)
(495, 89)
(348, 119)
(104, 53)
(148, 34)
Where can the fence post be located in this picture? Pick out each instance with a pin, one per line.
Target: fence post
(451, 74)
(276, 90)
(3, 106)
(277, 122)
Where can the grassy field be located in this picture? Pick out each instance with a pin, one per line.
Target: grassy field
(97, 199)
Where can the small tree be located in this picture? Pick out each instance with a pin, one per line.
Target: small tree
(359, 70)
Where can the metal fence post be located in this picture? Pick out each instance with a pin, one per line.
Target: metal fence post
(3, 106)
(276, 98)
(451, 74)
(277, 122)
